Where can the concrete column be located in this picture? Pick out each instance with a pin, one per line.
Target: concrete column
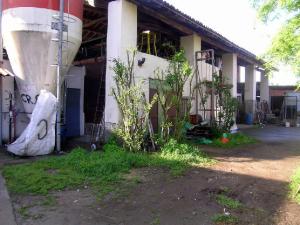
(229, 71)
(121, 37)
(250, 88)
(264, 87)
(190, 44)
(238, 74)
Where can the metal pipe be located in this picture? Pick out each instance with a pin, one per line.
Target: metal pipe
(213, 109)
(197, 85)
(59, 74)
(1, 92)
(1, 59)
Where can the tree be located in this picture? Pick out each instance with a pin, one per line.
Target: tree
(285, 45)
(133, 106)
(170, 86)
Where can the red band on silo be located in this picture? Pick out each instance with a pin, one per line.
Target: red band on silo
(73, 7)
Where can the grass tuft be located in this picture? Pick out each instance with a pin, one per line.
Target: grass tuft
(23, 211)
(228, 202)
(237, 139)
(49, 201)
(101, 170)
(295, 186)
(224, 219)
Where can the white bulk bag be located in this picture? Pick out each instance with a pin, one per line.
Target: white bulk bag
(39, 136)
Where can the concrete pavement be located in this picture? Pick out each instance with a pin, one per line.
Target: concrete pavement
(6, 211)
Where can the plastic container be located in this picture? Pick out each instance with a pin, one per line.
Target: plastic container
(249, 118)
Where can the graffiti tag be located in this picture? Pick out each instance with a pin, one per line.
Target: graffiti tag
(27, 99)
(41, 137)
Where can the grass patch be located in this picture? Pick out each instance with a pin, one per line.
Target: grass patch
(295, 186)
(23, 211)
(156, 221)
(224, 219)
(237, 139)
(228, 202)
(49, 201)
(100, 170)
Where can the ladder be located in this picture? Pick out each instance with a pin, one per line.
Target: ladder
(202, 59)
(98, 127)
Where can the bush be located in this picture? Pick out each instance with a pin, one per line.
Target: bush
(170, 86)
(187, 153)
(132, 104)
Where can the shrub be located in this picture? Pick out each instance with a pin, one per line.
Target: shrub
(133, 106)
(170, 85)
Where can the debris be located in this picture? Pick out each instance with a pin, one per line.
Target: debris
(226, 213)
(199, 131)
(225, 138)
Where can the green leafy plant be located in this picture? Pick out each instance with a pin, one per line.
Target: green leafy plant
(133, 106)
(295, 186)
(226, 104)
(170, 87)
(224, 219)
(285, 46)
(237, 139)
(228, 202)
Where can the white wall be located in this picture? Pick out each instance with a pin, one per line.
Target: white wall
(7, 89)
(147, 70)
(74, 79)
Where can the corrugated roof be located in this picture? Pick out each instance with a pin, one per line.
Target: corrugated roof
(198, 27)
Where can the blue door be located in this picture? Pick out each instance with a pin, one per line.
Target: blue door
(73, 112)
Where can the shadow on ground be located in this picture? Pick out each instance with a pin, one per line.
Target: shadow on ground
(256, 175)
(161, 199)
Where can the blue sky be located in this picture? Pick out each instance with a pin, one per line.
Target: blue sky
(237, 20)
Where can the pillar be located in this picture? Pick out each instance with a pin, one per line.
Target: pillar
(264, 88)
(250, 89)
(121, 37)
(190, 44)
(230, 71)
(238, 74)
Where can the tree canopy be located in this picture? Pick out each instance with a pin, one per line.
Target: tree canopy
(285, 45)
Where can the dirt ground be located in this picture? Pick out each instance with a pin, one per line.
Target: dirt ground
(256, 175)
